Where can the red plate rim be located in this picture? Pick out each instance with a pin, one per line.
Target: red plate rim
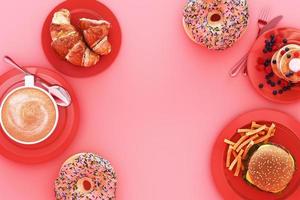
(217, 159)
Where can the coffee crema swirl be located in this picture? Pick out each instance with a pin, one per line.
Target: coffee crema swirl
(28, 115)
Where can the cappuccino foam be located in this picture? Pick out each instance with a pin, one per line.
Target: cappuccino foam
(28, 115)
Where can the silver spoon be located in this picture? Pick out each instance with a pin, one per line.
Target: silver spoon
(60, 94)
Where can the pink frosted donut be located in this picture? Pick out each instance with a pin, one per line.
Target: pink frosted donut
(86, 176)
(216, 24)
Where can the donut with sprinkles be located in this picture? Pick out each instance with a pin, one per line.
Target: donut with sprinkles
(215, 24)
(86, 176)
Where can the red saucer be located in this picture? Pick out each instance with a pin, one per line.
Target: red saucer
(63, 134)
(257, 76)
(287, 135)
(89, 9)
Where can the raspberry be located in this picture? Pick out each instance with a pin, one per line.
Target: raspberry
(260, 61)
(268, 70)
(260, 67)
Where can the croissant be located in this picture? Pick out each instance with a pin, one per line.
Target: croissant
(95, 33)
(68, 42)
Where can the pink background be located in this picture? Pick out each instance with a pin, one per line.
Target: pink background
(155, 113)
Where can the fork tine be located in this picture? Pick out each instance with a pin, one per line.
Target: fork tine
(261, 14)
(266, 14)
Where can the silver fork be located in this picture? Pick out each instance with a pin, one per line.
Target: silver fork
(241, 64)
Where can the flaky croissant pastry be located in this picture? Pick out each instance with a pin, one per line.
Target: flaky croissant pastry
(95, 33)
(68, 42)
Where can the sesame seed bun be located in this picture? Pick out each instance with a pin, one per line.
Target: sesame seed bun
(270, 168)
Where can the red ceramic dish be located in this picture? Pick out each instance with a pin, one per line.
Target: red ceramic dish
(61, 137)
(89, 9)
(257, 76)
(287, 135)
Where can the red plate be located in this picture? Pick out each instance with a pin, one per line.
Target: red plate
(89, 9)
(287, 135)
(61, 137)
(256, 76)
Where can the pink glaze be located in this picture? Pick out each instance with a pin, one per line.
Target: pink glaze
(216, 24)
(86, 176)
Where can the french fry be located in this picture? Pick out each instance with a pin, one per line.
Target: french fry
(272, 127)
(253, 124)
(238, 167)
(242, 167)
(252, 132)
(273, 132)
(234, 162)
(242, 139)
(247, 138)
(229, 142)
(243, 130)
(235, 155)
(262, 133)
(229, 152)
(262, 139)
(246, 142)
(251, 143)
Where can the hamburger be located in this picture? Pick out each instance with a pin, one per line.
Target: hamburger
(270, 168)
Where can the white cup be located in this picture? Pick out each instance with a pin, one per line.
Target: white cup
(29, 83)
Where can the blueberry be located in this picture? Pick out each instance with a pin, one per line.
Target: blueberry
(267, 77)
(273, 84)
(266, 63)
(271, 74)
(269, 82)
(285, 88)
(284, 41)
(274, 62)
(274, 92)
(261, 85)
(288, 56)
(278, 82)
(289, 74)
(287, 49)
(280, 91)
(272, 37)
(265, 50)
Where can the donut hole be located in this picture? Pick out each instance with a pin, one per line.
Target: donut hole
(215, 17)
(86, 185)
